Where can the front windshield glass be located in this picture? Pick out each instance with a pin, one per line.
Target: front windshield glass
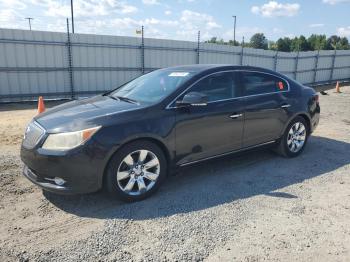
(152, 87)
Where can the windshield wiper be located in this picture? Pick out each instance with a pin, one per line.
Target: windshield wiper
(127, 99)
(113, 97)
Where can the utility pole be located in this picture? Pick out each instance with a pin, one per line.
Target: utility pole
(71, 9)
(30, 25)
(142, 50)
(198, 45)
(234, 30)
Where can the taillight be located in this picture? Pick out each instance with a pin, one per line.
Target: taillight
(316, 97)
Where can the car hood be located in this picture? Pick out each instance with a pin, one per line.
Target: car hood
(81, 114)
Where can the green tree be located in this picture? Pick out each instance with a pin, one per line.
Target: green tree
(212, 40)
(221, 42)
(272, 45)
(344, 43)
(303, 44)
(294, 44)
(235, 43)
(317, 42)
(215, 40)
(284, 44)
(333, 42)
(258, 41)
(299, 44)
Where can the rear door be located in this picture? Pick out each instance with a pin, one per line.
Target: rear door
(213, 129)
(266, 106)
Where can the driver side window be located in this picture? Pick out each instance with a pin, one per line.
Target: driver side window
(216, 87)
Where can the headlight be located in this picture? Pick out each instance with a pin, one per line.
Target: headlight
(69, 140)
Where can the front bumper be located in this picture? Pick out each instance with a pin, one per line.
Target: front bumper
(48, 185)
(82, 169)
(315, 118)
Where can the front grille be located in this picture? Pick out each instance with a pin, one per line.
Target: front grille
(33, 134)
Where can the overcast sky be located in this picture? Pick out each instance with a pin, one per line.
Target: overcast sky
(181, 19)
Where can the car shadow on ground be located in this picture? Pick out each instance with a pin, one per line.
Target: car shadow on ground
(217, 182)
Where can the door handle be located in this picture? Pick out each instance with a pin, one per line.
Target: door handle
(234, 116)
(285, 105)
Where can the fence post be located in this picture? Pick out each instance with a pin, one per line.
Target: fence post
(296, 66)
(142, 51)
(316, 65)
(198, 45)
(333, 63)
(242, 51)
(70, 64)
(242, 54)
(275, 62)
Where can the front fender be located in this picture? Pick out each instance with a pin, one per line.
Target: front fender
(158, 128)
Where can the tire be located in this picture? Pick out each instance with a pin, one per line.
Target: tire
(285, 145)
(124, 175)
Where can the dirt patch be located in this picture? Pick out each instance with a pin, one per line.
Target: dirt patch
(28, 220)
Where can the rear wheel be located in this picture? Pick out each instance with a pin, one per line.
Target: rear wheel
(136, 171)
(294, 138)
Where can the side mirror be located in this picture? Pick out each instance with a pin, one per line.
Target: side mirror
(193, 99)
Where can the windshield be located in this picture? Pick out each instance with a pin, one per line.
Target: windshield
(152, 87)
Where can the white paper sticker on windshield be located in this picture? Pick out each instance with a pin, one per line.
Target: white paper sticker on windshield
(179, 74)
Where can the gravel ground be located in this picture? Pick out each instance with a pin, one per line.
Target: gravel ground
(252, 207)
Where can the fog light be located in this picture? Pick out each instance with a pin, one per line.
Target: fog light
(59, 181)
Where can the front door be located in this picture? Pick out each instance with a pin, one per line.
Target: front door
(212, 129)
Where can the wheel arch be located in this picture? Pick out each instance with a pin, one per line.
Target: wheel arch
(151, 139)
(307, 120)
(304, 116)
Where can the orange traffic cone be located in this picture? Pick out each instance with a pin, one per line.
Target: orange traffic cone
(337, 87)
(41, 105)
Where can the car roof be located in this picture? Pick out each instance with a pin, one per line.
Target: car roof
(201, 68)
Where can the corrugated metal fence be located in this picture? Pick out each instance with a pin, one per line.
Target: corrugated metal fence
(60, 65)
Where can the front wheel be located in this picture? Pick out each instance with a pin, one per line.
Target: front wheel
(136, 171)
(294, 139)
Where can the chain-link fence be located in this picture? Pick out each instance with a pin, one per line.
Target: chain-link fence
(63, 65)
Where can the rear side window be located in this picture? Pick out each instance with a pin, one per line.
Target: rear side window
(218, 86)
(256, 83)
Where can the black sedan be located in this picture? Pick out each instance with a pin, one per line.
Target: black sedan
(129, 139)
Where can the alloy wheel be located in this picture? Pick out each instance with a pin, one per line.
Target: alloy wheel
(296, 137)
(138, 172)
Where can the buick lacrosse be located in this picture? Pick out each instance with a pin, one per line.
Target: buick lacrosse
(127, 140)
